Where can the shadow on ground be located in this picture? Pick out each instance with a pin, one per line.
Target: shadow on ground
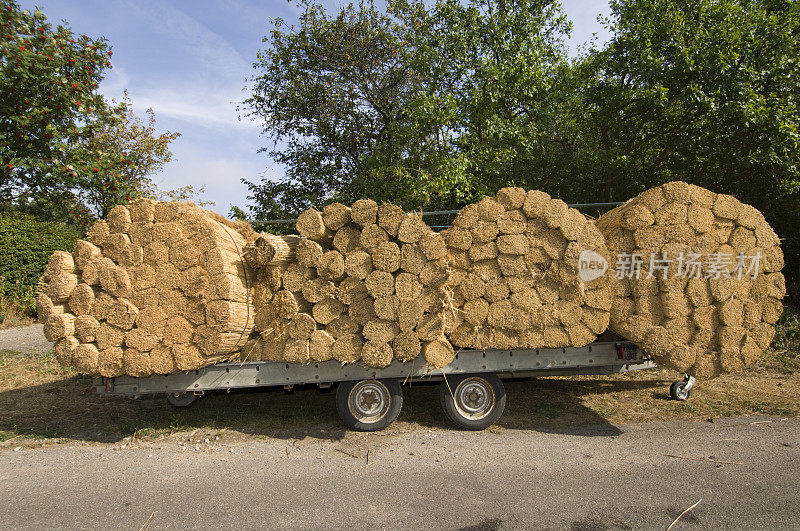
(40, 400)
(68, 408)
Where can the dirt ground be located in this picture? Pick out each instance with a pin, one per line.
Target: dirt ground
(42, 403)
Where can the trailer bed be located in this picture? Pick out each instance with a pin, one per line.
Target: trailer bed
(596, 358)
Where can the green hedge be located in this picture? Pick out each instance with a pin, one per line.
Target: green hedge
(26, 244)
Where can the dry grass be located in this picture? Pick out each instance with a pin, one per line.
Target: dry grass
(13, 314)
(42, 402)
(17, 308)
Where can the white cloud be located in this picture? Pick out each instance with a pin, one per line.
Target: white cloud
(206, 48)
(206, 84)
(209, 109)
(115, 83)
(220, 175)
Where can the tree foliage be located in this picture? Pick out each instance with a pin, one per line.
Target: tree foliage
(437, 105)
(123, 154)
(27, 244)
(342, 101)
(65, 152)
(48, 101)
(704, 91)
(414, 105)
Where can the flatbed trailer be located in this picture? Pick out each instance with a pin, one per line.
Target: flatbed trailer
(370, 399)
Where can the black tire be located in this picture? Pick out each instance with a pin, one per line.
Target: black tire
(678, 391)
(182, 399)
(487, 395)
(357, 406)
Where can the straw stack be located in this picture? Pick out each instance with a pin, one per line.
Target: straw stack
(516, 280)
(367, 283)
(712, 311)
(157, 287)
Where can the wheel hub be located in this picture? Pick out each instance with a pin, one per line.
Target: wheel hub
(369, 401)
(474, 398)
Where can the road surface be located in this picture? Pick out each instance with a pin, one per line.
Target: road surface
(638, 476)
(26, 339)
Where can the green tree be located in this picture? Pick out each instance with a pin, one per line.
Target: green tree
(48, 103)
(419, 106)
(66, 153)
(345, 108)
(705, 91)
(503, 64)
(121, 156)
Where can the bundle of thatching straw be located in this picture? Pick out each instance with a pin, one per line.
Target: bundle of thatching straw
(365, 282)
(158, 287)
(691, 276)
(700, 285)
(515, 261)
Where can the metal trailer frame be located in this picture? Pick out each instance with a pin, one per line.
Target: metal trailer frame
(370, 399)
(606, 357)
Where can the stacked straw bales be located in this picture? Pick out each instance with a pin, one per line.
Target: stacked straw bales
(155, 288)
(709, 288)
(515, 274)
(160, 287)
(366, 282)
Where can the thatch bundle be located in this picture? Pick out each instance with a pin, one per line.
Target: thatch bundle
(516, 279)
(708, 289)
(160, 287)
(157, 287)
(360, 277)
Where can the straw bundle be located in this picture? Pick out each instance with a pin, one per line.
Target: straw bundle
(709, 288)
(153, 281)
(353, 268)
(515, 268)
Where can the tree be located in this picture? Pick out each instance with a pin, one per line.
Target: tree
(345, 108)
(704, 91)
(66, 153)
(419, 106)
(122, 155)
(502, 63)
(48, 103)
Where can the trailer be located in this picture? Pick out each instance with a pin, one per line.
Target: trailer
(370, 399)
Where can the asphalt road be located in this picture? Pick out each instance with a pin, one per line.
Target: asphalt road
(25, 339)
(745, 470)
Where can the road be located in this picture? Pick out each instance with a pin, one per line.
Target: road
(25, 339)
(745, 470)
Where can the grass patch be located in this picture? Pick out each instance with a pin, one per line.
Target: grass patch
(17, 310)
(41, 400)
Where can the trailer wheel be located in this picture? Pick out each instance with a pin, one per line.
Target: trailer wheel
(181, 399)
(473, 401)
(678, 390)
(369, 405)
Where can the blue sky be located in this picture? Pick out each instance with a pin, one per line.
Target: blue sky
(189, 60)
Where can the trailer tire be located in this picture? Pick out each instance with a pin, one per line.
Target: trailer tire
(473, 401)
(181, 399)
(678, 391)
(369, 405)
